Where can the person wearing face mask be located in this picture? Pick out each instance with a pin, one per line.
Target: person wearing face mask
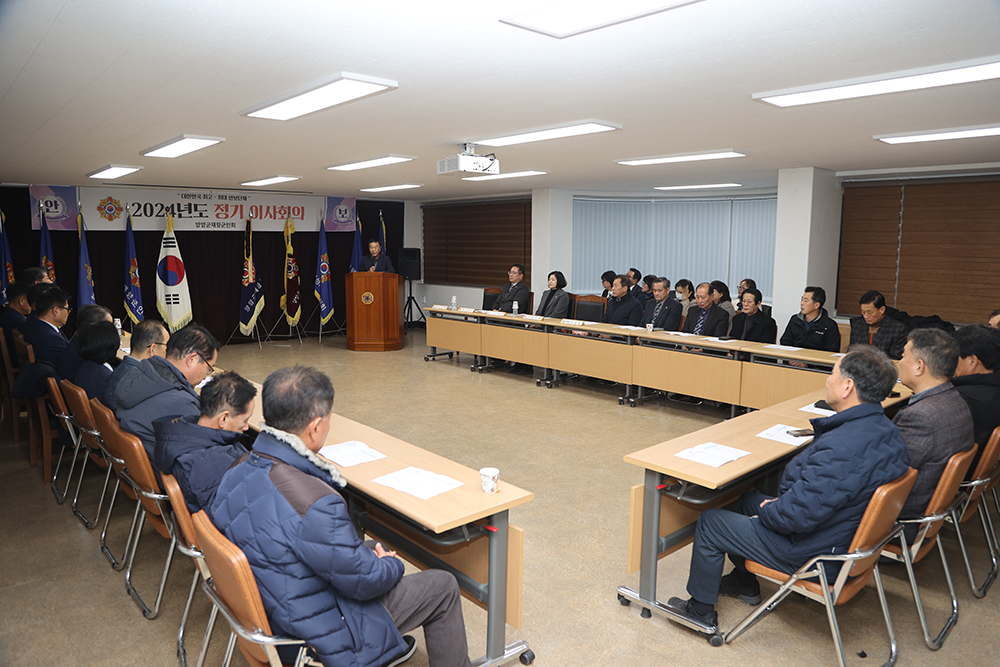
(685, 295)
(555, 301)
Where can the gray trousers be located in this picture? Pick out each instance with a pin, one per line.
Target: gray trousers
(431, 599)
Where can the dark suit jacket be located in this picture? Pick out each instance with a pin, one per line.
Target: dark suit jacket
(936, 424)
(554, 303)
(625, 311)
(46, 341)
(762, 329)
(10, 320)
(716, 322)
(93, 379)
(382, 264)
(510, 293)
(982, 394)
(890, 337)
(669, 318)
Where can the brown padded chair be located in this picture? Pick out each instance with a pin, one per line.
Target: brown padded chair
(984, 478)
(107, 424)
(234, 591)
(83, 422)
(590, 308)
(152, 506)
(58, 406)
(878, 526)
(13, 407)
(943, 504)
(187, 544)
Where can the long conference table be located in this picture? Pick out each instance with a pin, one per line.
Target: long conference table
(464, 531)
(740, 373)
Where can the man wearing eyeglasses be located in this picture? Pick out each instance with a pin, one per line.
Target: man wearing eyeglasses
(43, 332)
(164, 387)
(149, 338)
(515, 290)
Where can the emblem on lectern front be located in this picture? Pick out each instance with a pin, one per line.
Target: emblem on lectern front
(367, 298)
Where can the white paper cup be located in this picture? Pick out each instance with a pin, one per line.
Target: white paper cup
(649, 328)
(489, 476)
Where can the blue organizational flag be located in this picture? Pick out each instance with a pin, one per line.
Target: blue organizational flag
(324, 288)
(133, 290)
(7, 270)
(357, 253)
(85, 277)
(252, 292)
(45, 254)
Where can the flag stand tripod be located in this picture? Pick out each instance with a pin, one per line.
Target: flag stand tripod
(296, 327)
(256, 334)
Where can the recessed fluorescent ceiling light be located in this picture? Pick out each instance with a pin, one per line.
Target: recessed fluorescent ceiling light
(572, 17)
(374, 162)
(699, 187)
(343, 87)
(895, 82)
(940, 135)
(386, 188)
(271, 180)
(113, 171)
(551, 132)
(684, 157)
(511, 174)
(182, 145)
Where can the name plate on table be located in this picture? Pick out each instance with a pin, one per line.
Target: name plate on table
(578, 323)
(437, 307)
(534, 317)
(786, 348)
(496, 313)
(466, 310)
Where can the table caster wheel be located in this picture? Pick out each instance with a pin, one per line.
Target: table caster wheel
(538, 383)
(426, 358)
(715, 640)
(451, 355)
(646, 613)
(527, 657)
(623, 601)
(621, 401)
(472, 368)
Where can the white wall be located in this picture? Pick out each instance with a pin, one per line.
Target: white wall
(551, 237)
(807, 238)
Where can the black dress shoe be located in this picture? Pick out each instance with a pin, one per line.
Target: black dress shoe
(686, 608)
(731, 587)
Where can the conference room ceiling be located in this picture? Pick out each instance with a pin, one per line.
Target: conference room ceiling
(87, 84)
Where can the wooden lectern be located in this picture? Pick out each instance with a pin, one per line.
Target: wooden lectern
(374, 316)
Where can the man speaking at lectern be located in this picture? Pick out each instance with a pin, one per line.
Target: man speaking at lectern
(375, 260)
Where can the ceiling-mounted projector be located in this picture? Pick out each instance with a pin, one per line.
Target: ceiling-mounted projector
(467, 162)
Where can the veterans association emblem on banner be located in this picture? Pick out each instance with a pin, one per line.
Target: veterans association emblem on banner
(324, 269)
(110, 209)
(133, 273)
(291, 268)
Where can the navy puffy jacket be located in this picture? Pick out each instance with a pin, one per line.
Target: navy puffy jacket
(825, 490)
(317, 579)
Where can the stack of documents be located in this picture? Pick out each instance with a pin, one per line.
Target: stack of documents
(712, 454)
(350, 453)
(423, 484)
(780, 433)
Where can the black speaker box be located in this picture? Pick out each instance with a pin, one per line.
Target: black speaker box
(409, 263)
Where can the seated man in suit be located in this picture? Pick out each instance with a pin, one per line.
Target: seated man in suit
(284, 507)
(874, 328)
(515, 290)
(43, 332)
(635, 286)
(752, 323)
(14, 315)
(164, 387)
(745, 284)
(977, 381)
(70, 360)
(199, 449)
(34, 275)
(375, 260)
(936, 423)
(623, 308)
(823, 493)
(662, 311)
(707, 319)
(812, 328)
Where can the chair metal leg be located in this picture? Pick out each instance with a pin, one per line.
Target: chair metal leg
(208, 636)
(229, 649)
(181, 654)
(61, 497)
(831, 615)
(115, 563)
(90, 525)
(979, 590)
(893, 645)
(937, 642)
(760, 612)
(146, 611)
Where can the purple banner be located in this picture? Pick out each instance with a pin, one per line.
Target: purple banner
(60, 206)
(341, 214)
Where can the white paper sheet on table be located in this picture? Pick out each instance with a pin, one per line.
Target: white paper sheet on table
(630, 328)
(681, 333)
(423, 484)
(714, 339)
(787, 348)
(350, 453)
(817, 411)
(839, 354)
(712, 454)
(780, 433)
